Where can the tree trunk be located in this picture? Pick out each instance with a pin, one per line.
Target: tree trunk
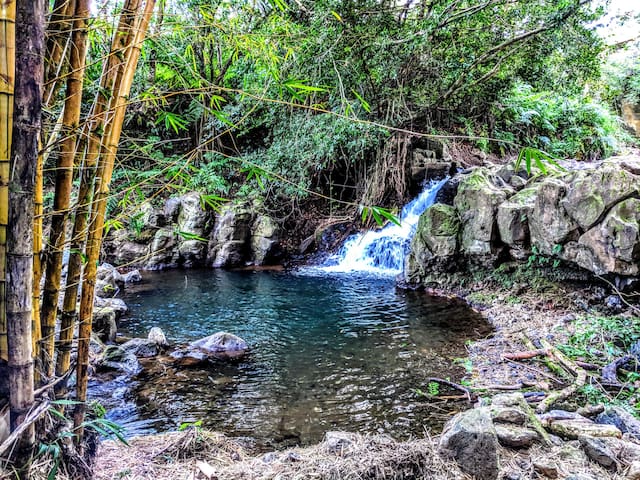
(96, 223)
(95, 126)
(24, 155)
(7, 70)
(64, 178)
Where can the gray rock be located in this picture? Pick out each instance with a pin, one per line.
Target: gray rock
(338, 443)
(549, 223)
(229, 244)
(508, 415)
(477, 202)
(593, 192)
(612, 246)
(116, 304)
(116, 358)
(471, 440)
(162, 252)
(264, 240)
(580, 476)
(157, 336)
(515, 436)
(598, 451)
(621, 419)
(545, 467)
(104, 324)
(142, 347)
(221, 342)
(133, 276)
(172, 209)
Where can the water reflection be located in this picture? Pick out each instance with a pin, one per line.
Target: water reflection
(327, 352)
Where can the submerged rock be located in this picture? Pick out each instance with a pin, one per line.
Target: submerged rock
(116, 358)
(221, 345)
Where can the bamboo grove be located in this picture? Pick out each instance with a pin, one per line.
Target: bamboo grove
(42, 73)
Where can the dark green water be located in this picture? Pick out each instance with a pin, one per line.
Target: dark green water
(327, 353)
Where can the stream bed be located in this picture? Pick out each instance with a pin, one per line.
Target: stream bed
(327, 352)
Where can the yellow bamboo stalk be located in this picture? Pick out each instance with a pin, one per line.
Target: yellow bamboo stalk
(63, 186)
(96, 223)
(58, 35)
(7, 71)
(96, 125)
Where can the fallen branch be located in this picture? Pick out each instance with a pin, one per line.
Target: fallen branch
(524, 355)
(580, 378)
(453, 385)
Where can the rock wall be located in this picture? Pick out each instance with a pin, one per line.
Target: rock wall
(589, 218)
(186, 232)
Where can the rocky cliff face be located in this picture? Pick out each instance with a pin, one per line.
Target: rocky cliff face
(186, 232)
(588, 218)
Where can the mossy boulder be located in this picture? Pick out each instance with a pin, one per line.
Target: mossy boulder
(592, 192)
(612, 246)
(549, 223)
(477, 202)
(435, 242)
(228, 245)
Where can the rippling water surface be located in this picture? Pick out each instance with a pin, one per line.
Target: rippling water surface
(327, 352)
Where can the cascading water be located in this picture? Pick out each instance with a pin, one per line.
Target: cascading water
(382, 251)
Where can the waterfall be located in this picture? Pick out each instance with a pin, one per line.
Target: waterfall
(382, 251)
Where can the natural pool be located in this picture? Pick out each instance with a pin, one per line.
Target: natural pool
(328, 352)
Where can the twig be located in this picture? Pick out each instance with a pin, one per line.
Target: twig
(453, 385)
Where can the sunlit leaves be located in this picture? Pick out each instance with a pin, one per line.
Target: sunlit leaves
(380, 215)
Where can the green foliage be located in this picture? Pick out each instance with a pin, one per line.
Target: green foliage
(565, 126)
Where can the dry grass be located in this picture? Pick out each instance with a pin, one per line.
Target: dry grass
(200, 455)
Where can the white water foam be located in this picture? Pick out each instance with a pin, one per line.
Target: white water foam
(382, 252)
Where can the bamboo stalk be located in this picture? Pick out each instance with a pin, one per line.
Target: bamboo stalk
(58, 32)
(95, 126)
(63, 186)
(24, 155)
(96, 223)
(7, 69)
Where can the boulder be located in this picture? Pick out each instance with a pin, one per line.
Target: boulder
(598, 451)
(549, 223)
(221, 343)
(515, 437)
(470, 438)
(513, 222)
(171, 209)
(133, 276)
(634, 471)
(142, 347)
(162, 251)
(612, 246)
(264, 240)
(115, 358)
(477, 202)
(221, 346)
(193, 218)
(123, 249)
(592, 192)
(192, 252)
(229, 242)
(621, 419)
(108, 280)
(338, 443)
(151, 218)
(435, 243)
(115, 304)
(157, 336)
(510, 415)
(427, 164)
(104, 324)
